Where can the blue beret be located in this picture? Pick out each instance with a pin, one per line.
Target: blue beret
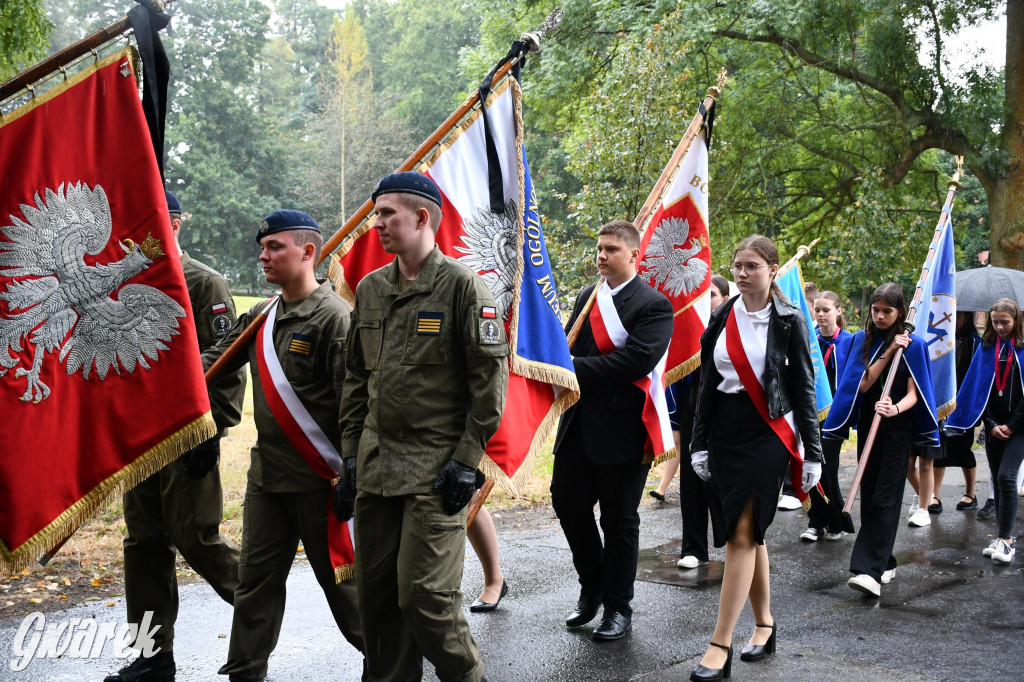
(173, 205)
(284, 220)
(408, 183)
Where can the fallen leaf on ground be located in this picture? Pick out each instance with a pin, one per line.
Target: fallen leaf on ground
(110, 603)
(96, 582)
(36, 600)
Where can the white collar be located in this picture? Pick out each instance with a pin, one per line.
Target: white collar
(620, 287)
(761, 314)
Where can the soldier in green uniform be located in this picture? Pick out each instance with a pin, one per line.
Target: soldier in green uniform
(286, 499)
(181, 506)
(427, 370)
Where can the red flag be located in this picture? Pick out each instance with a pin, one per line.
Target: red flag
(507, 249)
(100, 378)
(677, 257)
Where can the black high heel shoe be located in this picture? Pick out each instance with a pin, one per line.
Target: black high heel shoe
(759, 652)
(702, 674)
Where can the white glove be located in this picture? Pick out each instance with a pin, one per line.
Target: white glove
(699, 462)
(811, 475)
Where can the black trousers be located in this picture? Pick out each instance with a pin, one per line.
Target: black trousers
(692, 502)
(1004, 460)
(577, 484)
(829, 515)
(881, 506)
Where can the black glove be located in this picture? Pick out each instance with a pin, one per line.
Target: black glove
(457, 482)
(201, 459)
(344, 498)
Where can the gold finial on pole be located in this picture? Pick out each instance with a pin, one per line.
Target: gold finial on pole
(801, 251)
(715, 91)
(955, 180)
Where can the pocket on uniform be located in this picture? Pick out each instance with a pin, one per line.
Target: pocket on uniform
(371, 335)
(440, 553)
(428, 339)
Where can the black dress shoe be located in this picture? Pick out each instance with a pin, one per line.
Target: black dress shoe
(483, 606)
(586, 609)
(656, 495)
(964, 506)
(759, 652)
(989, 510)
(614, 625)
(936, 506)
(156, 668)
(701, 674)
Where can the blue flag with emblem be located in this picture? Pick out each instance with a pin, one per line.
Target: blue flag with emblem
(792, 284)
(936, 318)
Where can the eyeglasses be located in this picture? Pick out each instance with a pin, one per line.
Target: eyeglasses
(749, 268)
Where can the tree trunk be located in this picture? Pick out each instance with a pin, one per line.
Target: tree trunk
(1006, 192)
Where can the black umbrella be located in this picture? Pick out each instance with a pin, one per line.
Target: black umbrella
(978, 289)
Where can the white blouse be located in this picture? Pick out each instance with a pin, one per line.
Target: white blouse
(759, 320)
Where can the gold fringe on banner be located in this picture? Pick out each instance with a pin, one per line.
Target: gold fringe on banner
(343, 573)
(160, 455)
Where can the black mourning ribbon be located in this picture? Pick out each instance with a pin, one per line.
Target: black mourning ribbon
(494, 179)
(156, 72)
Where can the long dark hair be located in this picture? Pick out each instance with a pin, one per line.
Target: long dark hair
(722, 284)
(1009, 306)
(765, 248)
(892, 294)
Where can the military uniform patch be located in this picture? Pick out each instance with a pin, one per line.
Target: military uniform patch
(490, 334)
(219, 308)
(429, 324)
(488, 312)
(300, 344)
(220, 324)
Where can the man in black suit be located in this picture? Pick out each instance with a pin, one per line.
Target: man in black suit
(599, 450)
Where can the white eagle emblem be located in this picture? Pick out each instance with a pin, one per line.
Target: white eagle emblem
(64, 302)
(490, 250)
(674, 270)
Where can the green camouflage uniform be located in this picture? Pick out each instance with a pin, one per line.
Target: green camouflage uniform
(285, 500)
(427, 371)
(169, 509)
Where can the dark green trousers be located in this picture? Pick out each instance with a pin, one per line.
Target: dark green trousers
(409, 558)
(272, 526)
(166, 511)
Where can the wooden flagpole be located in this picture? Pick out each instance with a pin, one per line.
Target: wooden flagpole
(654, 199)
(801, 251)
(954, 185)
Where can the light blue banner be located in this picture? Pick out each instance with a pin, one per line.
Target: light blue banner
(792, 285)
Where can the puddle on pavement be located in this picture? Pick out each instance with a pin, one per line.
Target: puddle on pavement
(658, 565)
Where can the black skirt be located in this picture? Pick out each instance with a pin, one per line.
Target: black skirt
(748, 462)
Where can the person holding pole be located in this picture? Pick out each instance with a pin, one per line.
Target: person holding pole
(602, 440)
(756, 421)
(297, 367)
(905, 418)
(993, 394)
(427, 370)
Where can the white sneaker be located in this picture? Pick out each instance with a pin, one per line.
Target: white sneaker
(914, 506)
(1003, 553)
(832, 537)
(920, 518)
(888, 575)
(812, 535)
(789, 503)
(862, 582)
(990, 550)
(690, 561)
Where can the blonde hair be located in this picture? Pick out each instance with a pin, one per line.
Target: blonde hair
(1005, 305)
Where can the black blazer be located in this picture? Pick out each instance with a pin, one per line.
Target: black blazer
(610, 408)
(788, 374)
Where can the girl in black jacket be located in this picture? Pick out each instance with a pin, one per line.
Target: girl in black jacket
(756, 420)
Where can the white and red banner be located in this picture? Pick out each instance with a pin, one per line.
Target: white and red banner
(677, 257)
(609, 335)
(100, 378)
(507, 249)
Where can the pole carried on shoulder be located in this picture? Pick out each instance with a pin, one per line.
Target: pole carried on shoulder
(668, 175)
(954, 185)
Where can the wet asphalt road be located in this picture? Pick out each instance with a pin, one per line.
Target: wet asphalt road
(948, 615)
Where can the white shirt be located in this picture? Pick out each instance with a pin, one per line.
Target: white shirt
(621, 286)
(730, 379)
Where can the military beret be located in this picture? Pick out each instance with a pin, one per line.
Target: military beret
(173, 205)
(408, 183)
(284, 220)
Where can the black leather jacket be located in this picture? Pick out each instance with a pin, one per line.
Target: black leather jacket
(788, 374)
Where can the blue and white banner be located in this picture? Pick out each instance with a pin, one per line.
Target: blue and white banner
(792, 285)
(935, 321)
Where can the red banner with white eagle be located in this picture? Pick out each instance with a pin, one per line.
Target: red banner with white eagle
(100, 378)
(677, 257)
(508, 250)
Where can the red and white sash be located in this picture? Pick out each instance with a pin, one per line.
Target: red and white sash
(609, 335)
(307, 438)
(739, 337)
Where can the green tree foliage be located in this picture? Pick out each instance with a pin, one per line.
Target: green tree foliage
(23, 35)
